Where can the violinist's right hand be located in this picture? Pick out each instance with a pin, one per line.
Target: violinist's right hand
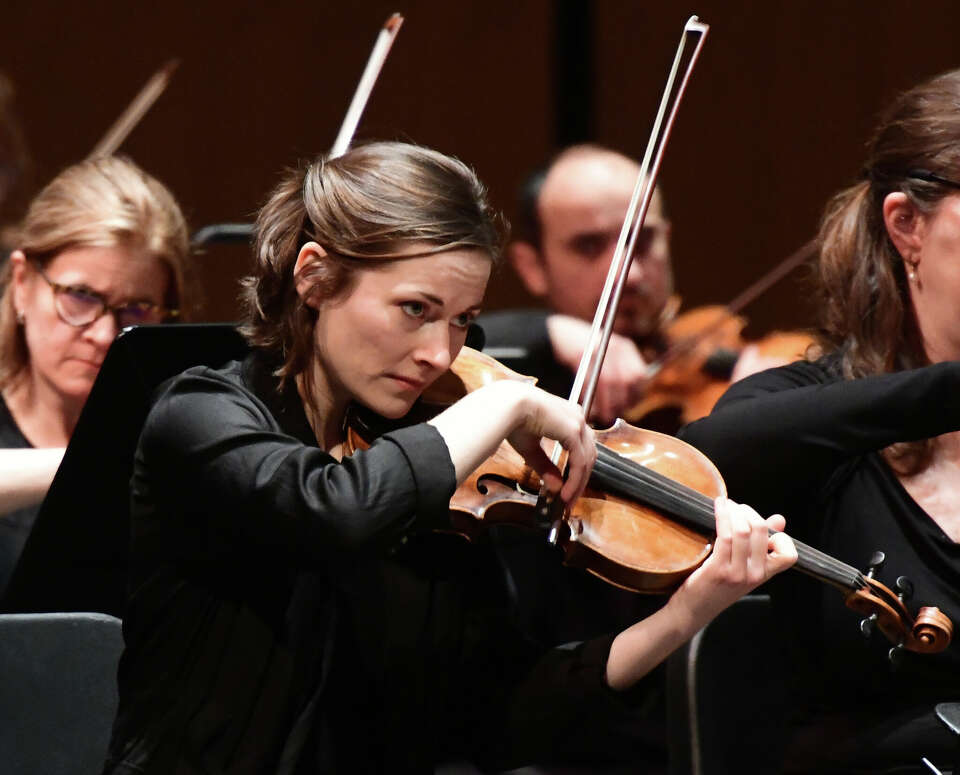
(623, 377)
(475, 426)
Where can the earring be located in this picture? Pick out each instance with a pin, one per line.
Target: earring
(913, 275)
(20, 317)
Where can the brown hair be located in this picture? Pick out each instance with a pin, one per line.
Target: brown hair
(101, 202)
(865, 302)
(362, 207)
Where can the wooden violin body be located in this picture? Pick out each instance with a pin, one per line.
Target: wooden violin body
(702, 346)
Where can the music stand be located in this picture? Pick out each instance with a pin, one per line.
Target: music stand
(75, 558)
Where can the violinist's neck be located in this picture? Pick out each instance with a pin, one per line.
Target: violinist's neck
(44, 416)
(324, 412)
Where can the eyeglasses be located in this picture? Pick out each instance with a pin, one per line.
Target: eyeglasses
(931, 177)
(79, 306)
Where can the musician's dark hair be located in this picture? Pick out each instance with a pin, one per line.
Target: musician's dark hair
(527, 224)
(866, 312)
(369, 205)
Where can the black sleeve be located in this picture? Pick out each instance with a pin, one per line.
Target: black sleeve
(217, 449)
(786, 430)
(549, 703)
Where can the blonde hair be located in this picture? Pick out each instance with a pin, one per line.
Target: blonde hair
(362, 207)
(864, 295)
(103, 202)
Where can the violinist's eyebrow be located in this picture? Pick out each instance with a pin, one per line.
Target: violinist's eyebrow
(431, 298)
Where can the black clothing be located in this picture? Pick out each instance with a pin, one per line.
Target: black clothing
(518, 338)
(554, 603)
(15, 526)
(288, 614)
(801, 441)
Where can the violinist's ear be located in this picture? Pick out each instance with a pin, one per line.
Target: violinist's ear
(18, 263)
(311, 254)
(528, 264)
(905, 225)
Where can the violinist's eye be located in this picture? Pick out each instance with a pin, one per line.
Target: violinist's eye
(462, 321)
(415, 309)
(644, 241)
(590, 245)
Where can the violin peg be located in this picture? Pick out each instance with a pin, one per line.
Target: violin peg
(867, 625)
(876, 560)
(904, 588)
(895, 655)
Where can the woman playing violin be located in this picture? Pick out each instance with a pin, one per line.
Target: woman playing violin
(292, 608)
(103, 246)
(862, 447)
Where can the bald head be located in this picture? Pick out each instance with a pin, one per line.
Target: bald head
(582, 202)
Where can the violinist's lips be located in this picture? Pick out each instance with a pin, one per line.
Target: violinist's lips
(412, 384)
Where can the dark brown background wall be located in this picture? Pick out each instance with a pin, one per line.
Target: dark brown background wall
(774, 121)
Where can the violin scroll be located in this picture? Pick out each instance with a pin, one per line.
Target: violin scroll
(930, 632)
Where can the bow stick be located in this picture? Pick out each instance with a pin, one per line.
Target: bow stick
(585, 382)
(235, 232)
(135, 111)
(378, 56)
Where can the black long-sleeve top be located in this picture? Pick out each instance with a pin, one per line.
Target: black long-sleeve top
(801, 441)
(16, 525)
(289, 613)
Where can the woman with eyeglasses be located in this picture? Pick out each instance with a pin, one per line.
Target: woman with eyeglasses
(861, 449)
(102, 246)
(292, 608)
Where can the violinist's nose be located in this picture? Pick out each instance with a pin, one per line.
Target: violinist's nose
(433, 349)
(102, 331)
(637, 271)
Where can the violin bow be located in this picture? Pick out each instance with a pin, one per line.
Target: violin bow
(242, 232)
(368, 80)
(585, 383)
(135, 111)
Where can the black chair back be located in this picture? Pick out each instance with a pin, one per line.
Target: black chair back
(59, 693)
(724, 694)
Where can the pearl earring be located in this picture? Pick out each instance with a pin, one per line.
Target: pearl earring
(20, 317)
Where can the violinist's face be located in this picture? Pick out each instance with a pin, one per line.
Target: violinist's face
(582, 205)
(931, 245)
(398, 328)
(65, 359)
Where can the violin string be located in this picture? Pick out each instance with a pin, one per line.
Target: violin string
(699, 508)
(659, 491)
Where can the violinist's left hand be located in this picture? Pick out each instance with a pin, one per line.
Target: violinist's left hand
(745, 554)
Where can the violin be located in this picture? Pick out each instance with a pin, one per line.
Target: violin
(702, 346)
(700, 349)
(646, 519)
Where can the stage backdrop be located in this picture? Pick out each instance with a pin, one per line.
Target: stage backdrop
(775, 120)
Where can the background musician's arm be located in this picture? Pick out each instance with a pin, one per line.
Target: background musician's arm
(785, 430)
(25, 476)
